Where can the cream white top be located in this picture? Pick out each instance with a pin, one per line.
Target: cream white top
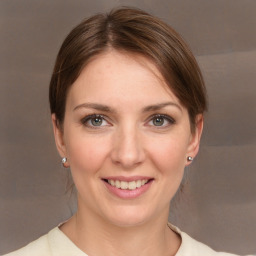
(56, 243)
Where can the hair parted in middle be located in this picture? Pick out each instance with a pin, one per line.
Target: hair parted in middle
(134, 31)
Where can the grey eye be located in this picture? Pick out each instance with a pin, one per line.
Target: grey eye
(158, 121)
(161, 121)
(96, 121)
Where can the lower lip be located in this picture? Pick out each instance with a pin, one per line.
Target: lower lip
(126, 193)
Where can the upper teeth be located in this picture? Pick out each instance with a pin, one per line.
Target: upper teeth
(127, 185)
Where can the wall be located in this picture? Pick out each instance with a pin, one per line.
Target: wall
(218, 206)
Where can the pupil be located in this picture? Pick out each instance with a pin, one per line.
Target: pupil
(158, 121)
(97, 121)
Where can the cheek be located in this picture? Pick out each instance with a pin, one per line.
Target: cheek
(171, 164)
(169, 155)
(86, 153)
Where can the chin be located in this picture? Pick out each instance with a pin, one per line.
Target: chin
(129, 217)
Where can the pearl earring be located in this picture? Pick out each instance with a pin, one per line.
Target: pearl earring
(190, 158)
(64, 161)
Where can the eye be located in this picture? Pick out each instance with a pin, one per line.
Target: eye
(94, 121)
(160, 120)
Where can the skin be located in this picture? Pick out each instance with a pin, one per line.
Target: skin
(127, 143)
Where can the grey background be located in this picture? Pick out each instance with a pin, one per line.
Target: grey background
(218, 206)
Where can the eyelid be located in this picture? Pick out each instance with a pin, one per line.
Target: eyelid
(85, 119)
(167, 117)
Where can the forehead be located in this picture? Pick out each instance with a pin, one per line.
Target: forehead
(116, 77)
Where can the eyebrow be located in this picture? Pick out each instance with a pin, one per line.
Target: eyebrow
(106, 108)
(96, 106)
(160, 106)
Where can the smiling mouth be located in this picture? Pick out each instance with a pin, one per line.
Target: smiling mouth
(130, 185)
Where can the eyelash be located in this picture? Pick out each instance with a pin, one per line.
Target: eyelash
(88, 118)
(167, 118)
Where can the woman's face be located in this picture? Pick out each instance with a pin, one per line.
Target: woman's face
(126, 137)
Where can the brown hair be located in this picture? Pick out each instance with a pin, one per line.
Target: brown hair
(135, 31)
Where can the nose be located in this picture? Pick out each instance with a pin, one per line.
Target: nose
(127, 149)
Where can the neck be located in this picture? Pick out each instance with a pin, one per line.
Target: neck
(96, 237)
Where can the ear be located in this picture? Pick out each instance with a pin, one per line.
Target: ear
(58, 135)
(194, 143)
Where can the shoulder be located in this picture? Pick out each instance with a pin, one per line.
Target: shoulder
(192, 247)
(38, 247)
(54, 243)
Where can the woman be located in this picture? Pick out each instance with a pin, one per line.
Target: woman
(127, 100)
